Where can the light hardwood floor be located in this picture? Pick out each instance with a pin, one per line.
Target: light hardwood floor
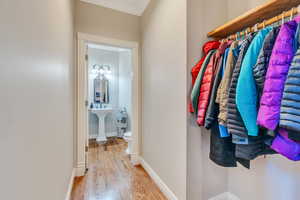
(111, 176)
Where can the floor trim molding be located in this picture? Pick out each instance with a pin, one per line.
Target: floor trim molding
(80, 170)
(158, 181)
(225, 196)
(70, 186)
(135, 159)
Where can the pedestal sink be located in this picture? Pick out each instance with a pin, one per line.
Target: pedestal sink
(101, 114)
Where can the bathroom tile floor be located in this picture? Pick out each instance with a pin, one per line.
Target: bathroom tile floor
(112, 177)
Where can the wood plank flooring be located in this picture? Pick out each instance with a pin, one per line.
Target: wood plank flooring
(111, 176)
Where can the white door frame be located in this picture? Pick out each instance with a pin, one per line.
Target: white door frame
(81, 82)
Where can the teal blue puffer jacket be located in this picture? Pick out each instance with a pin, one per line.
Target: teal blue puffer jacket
(246, 92)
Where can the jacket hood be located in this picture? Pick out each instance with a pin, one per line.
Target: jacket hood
(210, 45)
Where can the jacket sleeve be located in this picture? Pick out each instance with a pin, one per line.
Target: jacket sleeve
(246, 96)
(212, 110)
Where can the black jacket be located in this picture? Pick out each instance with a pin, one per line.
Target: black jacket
(222, 150)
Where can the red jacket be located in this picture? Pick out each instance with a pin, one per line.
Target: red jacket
(207, 83)
(208, 46)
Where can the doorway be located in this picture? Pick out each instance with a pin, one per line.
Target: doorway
(108, 98)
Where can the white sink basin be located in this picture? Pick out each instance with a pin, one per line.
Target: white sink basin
(101, 114)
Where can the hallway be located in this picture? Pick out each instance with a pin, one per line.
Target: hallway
(112, 177)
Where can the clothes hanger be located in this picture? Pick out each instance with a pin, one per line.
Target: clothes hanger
(292, 14)
(255, 27)
(282, 19)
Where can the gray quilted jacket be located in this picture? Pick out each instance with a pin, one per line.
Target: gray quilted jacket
(290, 104)
(235, 123)
(261, 67)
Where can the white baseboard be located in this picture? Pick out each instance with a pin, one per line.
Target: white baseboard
(158, 181)
(70, 186)
(80, 169)
(135, 159)
(225, 196)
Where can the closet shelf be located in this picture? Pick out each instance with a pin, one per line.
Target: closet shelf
(252, 17)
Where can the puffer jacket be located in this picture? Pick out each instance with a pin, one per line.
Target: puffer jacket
(207, 82)
(222, 94)
(222, 150)
(246, 92)
(196, 89)
(207, 47)
(213, 107)
(290, 104)
(281, 58)
(285, 146)
(235, 123)
(260, 69)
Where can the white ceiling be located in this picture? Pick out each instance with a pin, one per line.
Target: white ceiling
(135, 7)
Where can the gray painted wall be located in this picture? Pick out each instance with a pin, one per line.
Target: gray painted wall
(204, 178)
(125, 84)
(98, 20)
(36, 84)
(164, 91)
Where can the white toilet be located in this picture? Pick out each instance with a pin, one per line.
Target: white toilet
(128, 138)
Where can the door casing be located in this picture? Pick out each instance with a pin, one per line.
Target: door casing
(81, 96)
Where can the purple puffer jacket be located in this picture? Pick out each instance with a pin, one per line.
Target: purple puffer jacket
(285, 146)
(281, 58)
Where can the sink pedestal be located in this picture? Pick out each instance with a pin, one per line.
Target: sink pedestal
(101, 114)
(101, 130)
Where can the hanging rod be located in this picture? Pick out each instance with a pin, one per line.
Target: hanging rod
(278, 18)
(264, 14)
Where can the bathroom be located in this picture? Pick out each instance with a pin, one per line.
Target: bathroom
(109, 95)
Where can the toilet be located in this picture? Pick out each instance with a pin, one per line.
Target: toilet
(128, 138)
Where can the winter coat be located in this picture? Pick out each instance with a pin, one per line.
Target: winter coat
(222, 94)
(213, 107)
(285, 146)
(235, 123)
(281, 58)
(222, 150)
(207, 47)
(196, 89)
(207, 82)
(246, 92)
(255, 147)
(260, 69)
(290, 104)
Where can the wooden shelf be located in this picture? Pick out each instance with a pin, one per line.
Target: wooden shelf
(250, 18)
